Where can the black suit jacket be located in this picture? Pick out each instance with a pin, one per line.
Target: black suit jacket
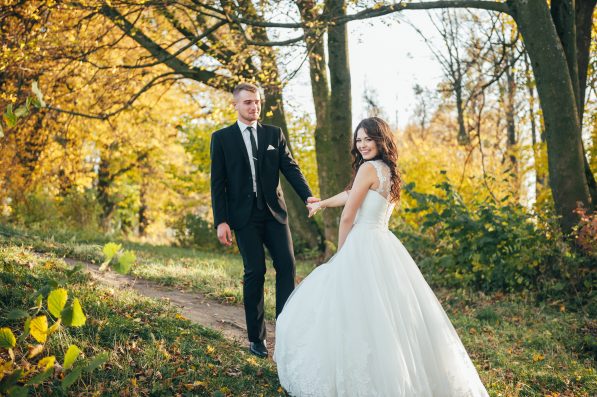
(231, 181)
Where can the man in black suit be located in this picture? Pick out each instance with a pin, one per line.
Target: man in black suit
(246, 160)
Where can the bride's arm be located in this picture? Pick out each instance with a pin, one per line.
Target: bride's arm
(335, 201)
(364, 179)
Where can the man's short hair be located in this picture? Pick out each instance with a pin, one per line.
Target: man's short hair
(245, 87)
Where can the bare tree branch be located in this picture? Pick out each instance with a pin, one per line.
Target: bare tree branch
(377, 12)
(198, 74)
(105, 116)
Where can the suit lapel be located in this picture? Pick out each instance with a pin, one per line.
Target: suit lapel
(239, 142)
(261, 142)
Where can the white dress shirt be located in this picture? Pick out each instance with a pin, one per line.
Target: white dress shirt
(245, 132)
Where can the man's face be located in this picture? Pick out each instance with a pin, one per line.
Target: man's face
(248, 106)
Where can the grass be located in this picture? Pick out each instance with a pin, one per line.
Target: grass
(524, 349)
(520, 347)
(218, 275)
(153, 350)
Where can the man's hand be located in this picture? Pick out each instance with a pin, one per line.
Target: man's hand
(313, 205)
(314, 208)
(224, 234)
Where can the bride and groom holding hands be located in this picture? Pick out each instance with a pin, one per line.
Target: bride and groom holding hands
(363, 324)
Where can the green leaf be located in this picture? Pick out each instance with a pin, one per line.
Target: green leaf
(71, 355)
(39, 96)
(96, 362)
(73, 315)
(18, 391)
(7, 338)
(10, 119)
(53, 284)
(125, 261)
(26, 330)
(71, 377)
(56, 301)
(110, 250)
(38, 301)
(10, 380)
(17, 314)
(21, 111)
(76, 269)
(41, 377)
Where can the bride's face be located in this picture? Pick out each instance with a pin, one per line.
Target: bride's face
(365, 145)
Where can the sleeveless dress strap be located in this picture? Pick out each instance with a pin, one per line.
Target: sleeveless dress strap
(381, 170)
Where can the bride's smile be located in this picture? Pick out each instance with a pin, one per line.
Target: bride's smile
(366, 145)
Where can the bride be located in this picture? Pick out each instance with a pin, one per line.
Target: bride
(366, 323)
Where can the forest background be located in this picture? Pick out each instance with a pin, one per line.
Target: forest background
(108, 109)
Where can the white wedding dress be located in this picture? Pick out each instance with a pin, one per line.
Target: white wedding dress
(367, 324)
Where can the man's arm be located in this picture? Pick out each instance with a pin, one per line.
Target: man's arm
(218, 181)
(291, 170)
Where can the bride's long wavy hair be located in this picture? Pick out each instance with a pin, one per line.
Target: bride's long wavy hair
(379, 131)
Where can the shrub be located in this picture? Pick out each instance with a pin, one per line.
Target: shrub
(586, 232)
(492, 246)
(36, 210)
(80, 210)
(76, 211)
(194, 231)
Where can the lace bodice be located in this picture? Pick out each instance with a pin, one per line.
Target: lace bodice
(376, 209)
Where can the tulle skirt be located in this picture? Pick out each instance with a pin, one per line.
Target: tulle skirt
(366, 323)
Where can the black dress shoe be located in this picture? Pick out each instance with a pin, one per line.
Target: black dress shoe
(258, 349)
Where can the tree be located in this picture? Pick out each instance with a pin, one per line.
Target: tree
(332, 99)
(550, 38)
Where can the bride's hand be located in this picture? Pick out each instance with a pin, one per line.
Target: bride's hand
(314, 208)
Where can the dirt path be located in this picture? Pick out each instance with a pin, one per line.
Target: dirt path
(229, 319)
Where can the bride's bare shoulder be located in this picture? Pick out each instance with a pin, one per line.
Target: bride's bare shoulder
(366, 172)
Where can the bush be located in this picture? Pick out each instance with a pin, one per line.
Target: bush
(37, 209)
(80, 210)
(492, 246)
(194, 231)
(586, 232)
(76, 211)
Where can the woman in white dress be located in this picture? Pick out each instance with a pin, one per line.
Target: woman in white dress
(366, 323)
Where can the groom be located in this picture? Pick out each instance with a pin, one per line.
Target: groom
(246, 160)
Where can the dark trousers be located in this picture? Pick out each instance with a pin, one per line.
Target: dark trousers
(263, 230)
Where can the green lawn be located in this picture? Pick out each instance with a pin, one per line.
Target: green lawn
(217, 275)
(152, 349)
(521, 347)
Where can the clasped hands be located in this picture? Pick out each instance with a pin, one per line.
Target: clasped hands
(314, 205)
(225, 234)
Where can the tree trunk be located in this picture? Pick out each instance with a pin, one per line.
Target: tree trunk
(556, 93)
(584, 23)
(570, 19)
(336, 157)
(143, 208)
(104, 182)
(535, 137)
(462, 138)
(564, 19)
(323, 128)
(509, 108)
